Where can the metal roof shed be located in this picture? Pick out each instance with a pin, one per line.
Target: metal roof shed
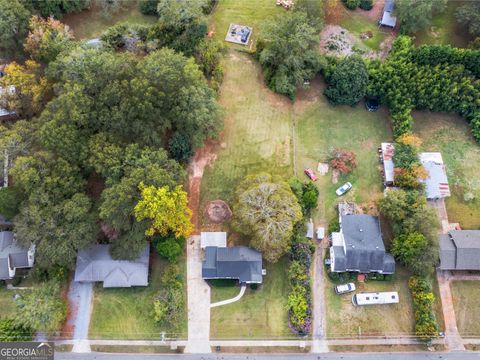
(216, 239)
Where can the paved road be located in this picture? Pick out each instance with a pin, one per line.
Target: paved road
(198, 300)
(326, 356)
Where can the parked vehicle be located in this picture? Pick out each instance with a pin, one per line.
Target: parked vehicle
(343, 189)
(320, 233)
(379, 298)
(344, 288)
(309, 172)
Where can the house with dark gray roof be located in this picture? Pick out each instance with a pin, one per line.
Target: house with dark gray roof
(460, 250)
(239, 262)
(95, 264)
(13, 256)
(358, 246)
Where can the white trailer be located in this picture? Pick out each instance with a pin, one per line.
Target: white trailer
(379, 298)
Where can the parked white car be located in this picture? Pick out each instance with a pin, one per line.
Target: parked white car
(345, 288)
(343, 189)
(320, 233)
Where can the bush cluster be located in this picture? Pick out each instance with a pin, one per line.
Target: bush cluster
(299, 298)
(306, 194)
(169, 302)
(423, 299)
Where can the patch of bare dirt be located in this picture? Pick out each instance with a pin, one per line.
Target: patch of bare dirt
(218, 211)
(335, 175)
(203, 157)
(309, 95)
(375, 13)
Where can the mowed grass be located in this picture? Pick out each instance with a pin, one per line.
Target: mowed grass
(344, 319)
(260, 313)
(92, 22)
(321, 127)
(451, 135)
(126, 313)
(445, 29)
(7, 304)
(467, 307)
(257, 131)
(248, 12)
(357, 23)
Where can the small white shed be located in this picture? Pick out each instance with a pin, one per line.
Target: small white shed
(216, 239)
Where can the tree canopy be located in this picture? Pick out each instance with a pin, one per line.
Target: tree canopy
(348, 83)
(287, 52)
(415, 15)
(13, 26)
(267, 210)
(468, 15)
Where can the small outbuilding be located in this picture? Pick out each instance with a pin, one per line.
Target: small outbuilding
(387, 151)
(436, 184)
(388, 19)
(95, 264)
(215, 239)
(239, 34)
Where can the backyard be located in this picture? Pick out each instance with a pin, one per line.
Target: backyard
(127, 313)
(260, 313)
(92, 22)
(467, 307)
(451, 135)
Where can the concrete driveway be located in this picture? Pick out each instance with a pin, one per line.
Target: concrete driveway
(198, 301)
(80, 298)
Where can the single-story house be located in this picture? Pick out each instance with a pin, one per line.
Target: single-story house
(216, 239)
(460, 250)
(387, 151)
(358, 246)
(13, 256)
(95, 264)
(436, 184)
(387, 17)
(239, 262)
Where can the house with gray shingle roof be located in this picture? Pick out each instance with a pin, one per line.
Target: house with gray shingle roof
(460, 250)
(13, 256)
(239, 262)
(358, 246)
(95, 264)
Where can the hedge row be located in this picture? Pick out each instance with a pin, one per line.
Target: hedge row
(423, 299)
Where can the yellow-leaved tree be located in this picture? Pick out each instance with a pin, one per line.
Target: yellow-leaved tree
(166, 209)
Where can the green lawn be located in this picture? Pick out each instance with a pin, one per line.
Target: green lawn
(126, 313)
(451, 135)
(257, 131)
(249, 12)
(344, 319)
(357, 23)
(260, 313)
(7, 305)
(444, 29)
(322, 127)
(91, 23)
(467, 307)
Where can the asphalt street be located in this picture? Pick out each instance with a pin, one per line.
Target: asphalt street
(328, 356)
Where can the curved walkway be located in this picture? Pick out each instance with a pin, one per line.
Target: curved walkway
(232, 300)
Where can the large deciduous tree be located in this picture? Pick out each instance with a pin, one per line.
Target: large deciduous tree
(287, 52)
(57, 8)
(469, 15)
(166, 211)
(267, 210)
(13, 26)
(348, 83)
(47, 38)
(415, 15)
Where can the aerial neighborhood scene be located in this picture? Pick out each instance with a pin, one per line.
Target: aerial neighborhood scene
(240, 177)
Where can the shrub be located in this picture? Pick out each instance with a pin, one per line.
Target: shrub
(169, 247)
(423, 299)
(12, 331)
(148, 7)
(351, 4)
(334, 225)
(366, 4)
(343, 160)
(169, 302)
